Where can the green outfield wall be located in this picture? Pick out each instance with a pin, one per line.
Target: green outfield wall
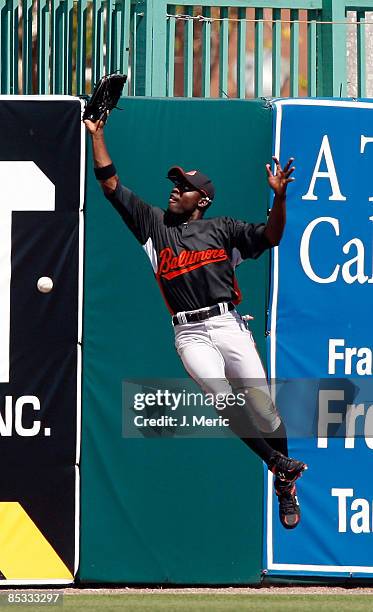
(158, 510)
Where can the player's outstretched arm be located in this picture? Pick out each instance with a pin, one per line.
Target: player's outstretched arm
(278, 182)
(101, 156)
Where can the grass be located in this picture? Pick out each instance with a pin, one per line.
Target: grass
(207, 603)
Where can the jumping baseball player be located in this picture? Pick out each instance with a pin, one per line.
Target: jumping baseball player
(194, 260)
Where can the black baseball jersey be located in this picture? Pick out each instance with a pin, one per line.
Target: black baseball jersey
(194, 262)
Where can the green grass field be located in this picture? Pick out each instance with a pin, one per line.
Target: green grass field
(210, 603)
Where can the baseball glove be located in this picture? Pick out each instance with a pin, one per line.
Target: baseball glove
(104, 98)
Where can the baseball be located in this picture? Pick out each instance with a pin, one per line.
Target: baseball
(45, 284)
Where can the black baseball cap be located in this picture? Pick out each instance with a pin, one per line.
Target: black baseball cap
(194, 178)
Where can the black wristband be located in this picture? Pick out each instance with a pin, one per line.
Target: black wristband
(102, 174)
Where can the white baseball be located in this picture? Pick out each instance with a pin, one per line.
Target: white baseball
(45, 284)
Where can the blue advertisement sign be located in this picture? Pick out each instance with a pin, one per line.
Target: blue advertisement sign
(321, 338)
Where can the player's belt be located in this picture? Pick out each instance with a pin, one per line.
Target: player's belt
(193, 316)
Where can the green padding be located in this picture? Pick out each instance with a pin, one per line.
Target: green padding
(165, 511)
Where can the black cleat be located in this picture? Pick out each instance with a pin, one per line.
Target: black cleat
(286, 469)
(289, 509)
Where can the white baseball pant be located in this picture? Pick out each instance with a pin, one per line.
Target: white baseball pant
(221, 356)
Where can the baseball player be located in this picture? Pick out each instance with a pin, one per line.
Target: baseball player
(194, 260)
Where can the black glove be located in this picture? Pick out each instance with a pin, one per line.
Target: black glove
(104, 98)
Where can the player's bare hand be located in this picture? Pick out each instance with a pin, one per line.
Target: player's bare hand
(94, 127)
(280, 180)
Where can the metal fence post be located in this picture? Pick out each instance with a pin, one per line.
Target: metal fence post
(159, 42)
(150, 30)
(333, 46)
(142, 35)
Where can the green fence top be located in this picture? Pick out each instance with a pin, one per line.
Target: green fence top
(219, 48)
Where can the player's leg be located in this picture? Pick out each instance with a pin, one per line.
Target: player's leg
(205, 364)
(245, 371)
(202, 361)
(278, 439)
